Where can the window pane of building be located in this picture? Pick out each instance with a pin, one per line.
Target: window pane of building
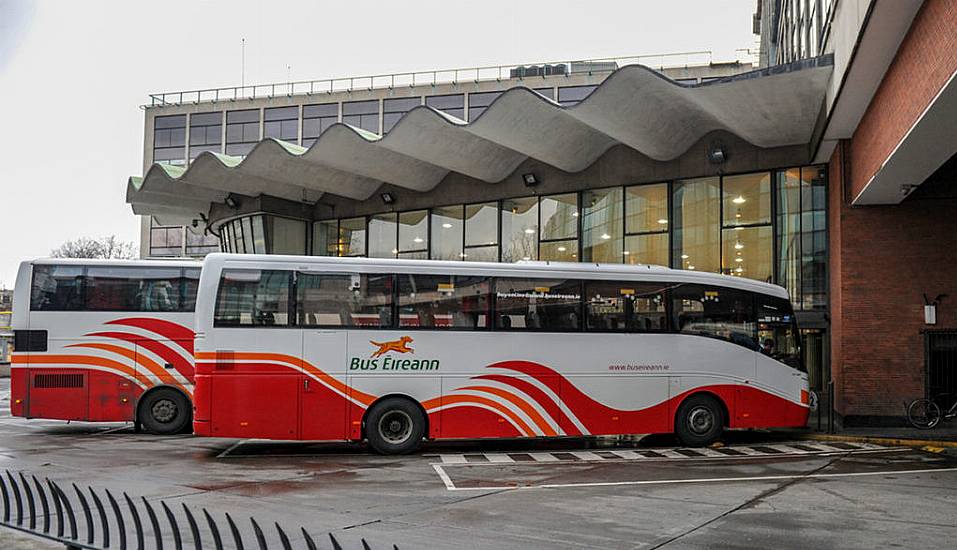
(205, 133)
(480, 101)
(481, 254)
(789, 231)
(559, 251)
(625, 306)
(651, 249)
(316, 119)
(282, 123)
(200, 244)
(573, 95)
(288, 236)
(813, 237)
(747, 199)
(560, 216)
(447, 226)
(450, 104)
(325, 238)
(546, 92)
(481, 224)
(344, 300)
(169, 139)
(248, 242)
(242, 131)
(362, 114)
(443, 301)
(697, 224)
(259, 234)
(393, 109)
(382, 236)
(602, 225)
(537, 304)
(414, 231)
(352, 237)
(747, 252)
(253, 298)
(646, 208)
(519, 229)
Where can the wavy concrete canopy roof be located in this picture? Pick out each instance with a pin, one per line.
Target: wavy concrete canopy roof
(635, 106)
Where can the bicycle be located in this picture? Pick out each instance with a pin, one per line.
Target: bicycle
(925, 414)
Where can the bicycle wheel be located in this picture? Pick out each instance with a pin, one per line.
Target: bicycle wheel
(923, 414)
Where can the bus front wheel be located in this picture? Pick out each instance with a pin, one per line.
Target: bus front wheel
(164, 411)
(700, 421)
(395, 426)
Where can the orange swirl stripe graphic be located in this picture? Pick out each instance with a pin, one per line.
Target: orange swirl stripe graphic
(537, 418)
(473, 399)
(155, 368)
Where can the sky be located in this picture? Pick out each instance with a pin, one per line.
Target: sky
(74, 74)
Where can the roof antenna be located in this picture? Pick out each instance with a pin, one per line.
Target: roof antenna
(244, 63)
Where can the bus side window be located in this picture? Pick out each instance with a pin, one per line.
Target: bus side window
(715, 312)
(777, 331)
(443, 301)
(344, 300)
(538, 304)
(56, 288)
(253, 297)
(628, 306)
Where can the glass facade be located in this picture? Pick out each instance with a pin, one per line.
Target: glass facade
(769, 226)
(573, 95)
(480, 101)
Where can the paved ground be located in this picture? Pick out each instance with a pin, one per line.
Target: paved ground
(758, 491)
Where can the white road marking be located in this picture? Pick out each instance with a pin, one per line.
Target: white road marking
(232, 447)
(669, 453)
(629, 455)
(544, 457)
(588, 455)
(444, 477)
(451, 486)
(709, 452)
(498, 458)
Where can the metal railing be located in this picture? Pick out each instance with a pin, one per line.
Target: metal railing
(78, 520)
(445, 76)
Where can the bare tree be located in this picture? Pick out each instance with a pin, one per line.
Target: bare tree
(107, 247)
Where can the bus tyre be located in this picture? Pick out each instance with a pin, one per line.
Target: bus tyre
(700, 421)
(395, 426)
(165, 411)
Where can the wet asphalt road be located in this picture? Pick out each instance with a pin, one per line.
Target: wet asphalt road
(756, 492)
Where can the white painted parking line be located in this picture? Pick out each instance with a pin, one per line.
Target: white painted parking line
(709, 452)
(498, 458)
(629, 455)
(787, 449)
(454, 459)
(544, 457)
(748, 451)
(669, 453)
(452, 487)
(588, 455)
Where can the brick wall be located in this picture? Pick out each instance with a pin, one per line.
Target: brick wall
(926, 59)
(883, 259)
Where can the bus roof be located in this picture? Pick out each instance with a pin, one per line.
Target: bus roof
(172, 262)
(496, 269)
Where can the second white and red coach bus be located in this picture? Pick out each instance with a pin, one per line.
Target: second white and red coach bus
(105, 341)
(395, 351)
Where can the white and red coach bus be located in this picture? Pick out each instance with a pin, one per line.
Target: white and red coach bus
(105, 341)
(395, 351)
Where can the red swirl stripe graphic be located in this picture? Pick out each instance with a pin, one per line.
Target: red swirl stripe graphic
(169, 330)
(169, 355)
(540, 397)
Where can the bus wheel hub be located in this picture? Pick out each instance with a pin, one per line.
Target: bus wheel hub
(164, 410)
(700, 420)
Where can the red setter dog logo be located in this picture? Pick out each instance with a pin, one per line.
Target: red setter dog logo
(399, 346)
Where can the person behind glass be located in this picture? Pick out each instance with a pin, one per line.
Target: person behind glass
(767, 347)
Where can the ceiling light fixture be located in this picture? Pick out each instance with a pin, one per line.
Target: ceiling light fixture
(738, 245)
(530, 179)
(530, 231)
(605, 236)
(739, 200)
(232, 202)
(662, 221)
(447, 225)
(387, 197)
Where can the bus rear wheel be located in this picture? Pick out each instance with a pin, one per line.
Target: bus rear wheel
(395, 426)
(700, 421)
(165, 411)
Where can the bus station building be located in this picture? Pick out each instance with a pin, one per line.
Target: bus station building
(825, 166)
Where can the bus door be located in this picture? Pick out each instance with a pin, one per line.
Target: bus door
(322, 410)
